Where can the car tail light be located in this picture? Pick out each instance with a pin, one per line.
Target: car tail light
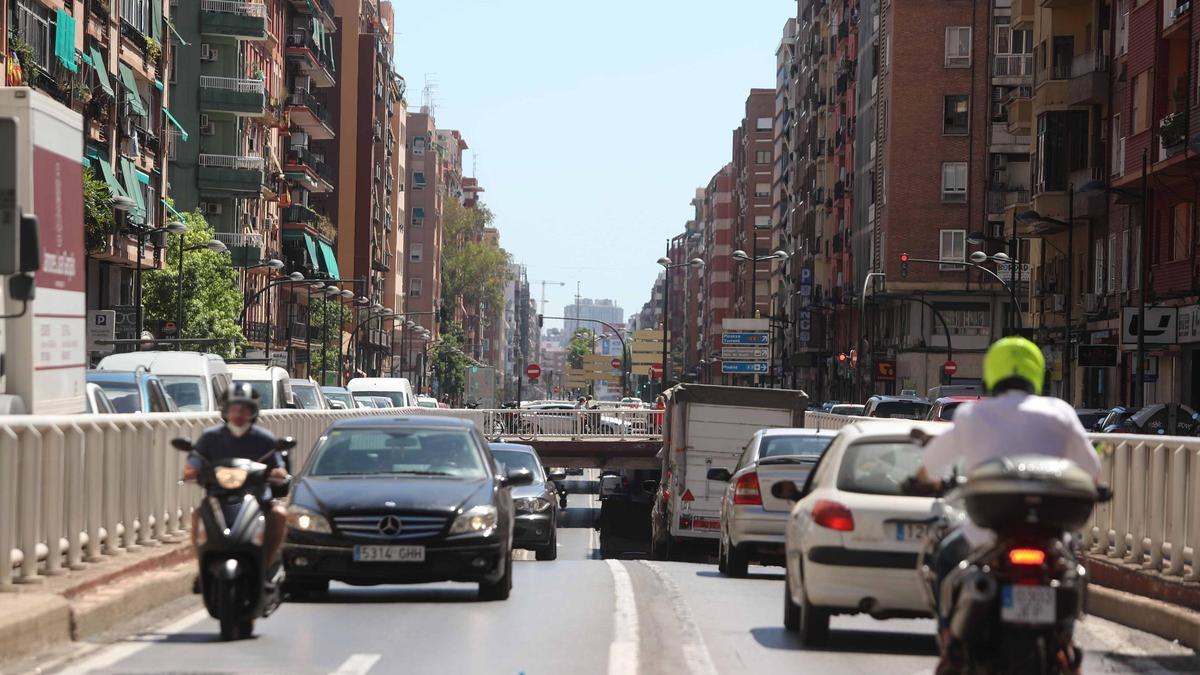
(746, 490)
(833, 516)
(1027, 556)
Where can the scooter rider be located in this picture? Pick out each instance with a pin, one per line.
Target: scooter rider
(239, 436)
(1013, 421)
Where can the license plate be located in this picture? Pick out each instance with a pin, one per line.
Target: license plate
(912, 531)
(699, 523)
(1027, 604)
(389, 554)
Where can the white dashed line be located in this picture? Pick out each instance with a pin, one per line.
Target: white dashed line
(695, 652)
(357, 664)
(623, 652)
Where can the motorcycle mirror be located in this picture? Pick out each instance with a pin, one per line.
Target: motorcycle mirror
(1104, 493)
(285, 443)
(181, 444)
(785, 489)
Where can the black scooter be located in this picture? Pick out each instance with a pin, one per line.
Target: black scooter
(234, 581)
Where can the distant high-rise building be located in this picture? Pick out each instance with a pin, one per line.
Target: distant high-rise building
(594, 310)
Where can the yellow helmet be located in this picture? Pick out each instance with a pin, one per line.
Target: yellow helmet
(1014, 357)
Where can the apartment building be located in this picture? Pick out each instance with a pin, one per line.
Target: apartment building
(753, 166)
(717, 220)
(425, 200)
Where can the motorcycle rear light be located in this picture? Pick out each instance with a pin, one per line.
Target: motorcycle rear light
(833, 516)
(746, 490)
(1027, 556)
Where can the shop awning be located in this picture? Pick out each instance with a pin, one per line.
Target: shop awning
(182, 132)
(132, 95)
(331, 266)
(106, 170)
(101, 69)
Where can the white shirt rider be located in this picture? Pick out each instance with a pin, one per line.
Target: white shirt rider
(1013, 423)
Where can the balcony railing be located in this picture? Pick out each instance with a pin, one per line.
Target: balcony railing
(1093, 62)
(306, 99)
(255, 9)
(300, 156)
(238, 84)
(239, 238)
(1013, 65)
(231, 162)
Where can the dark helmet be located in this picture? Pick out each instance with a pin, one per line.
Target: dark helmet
(243, 393)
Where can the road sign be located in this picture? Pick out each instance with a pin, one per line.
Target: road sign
(950, 368)
(556, 388)
(533, 371)
(102, 325)
(742, 338)
(745, 353)
(656, 370)
(616, 363)
(758, 367)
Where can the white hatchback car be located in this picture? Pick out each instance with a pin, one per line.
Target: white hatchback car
(853, 539)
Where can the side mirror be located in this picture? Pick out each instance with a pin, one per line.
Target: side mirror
(650, 486)
(285, 443)
(21, 287)
(786, 489)
(557, 475)
(518, 478)
(181, 444)
(336, 405)
(721, 475)
(31, 249)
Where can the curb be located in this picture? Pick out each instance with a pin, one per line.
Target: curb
(34, 623)
(102, 609)
(1151, 616)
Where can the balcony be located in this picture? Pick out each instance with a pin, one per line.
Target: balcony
(310, 58)
(1089, 79)
(246, 248)
(1004, 141)
(234, 18)
(322, 9)
(230, 173)
(1020, 111)
(308, 112)
(1013, 65)
(307, 170)
(239, 96)
(1063, 3)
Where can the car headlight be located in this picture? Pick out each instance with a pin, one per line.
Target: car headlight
(475, 520)
(531, 504)
(305, 520)
(229, 477)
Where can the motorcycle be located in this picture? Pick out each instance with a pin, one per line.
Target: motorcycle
(234, 580)
(1012, 606)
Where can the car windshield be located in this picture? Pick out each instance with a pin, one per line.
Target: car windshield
(343, 396)
(266, 398)
(515, 459)
(189, 391)
(908, 410)
(366, 401)
(125, 396)
(846, 410)
(948, 410)
(427, 403)
(308, 395)
(794, 446)
(396, 397)
(381, 451)
(878, 468)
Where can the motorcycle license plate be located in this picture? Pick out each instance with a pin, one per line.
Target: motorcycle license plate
(389, 554)
(912, 531)
(1027, 604)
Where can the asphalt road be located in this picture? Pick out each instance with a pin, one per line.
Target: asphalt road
(578, 615)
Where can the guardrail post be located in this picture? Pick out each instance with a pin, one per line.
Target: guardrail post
(1121, 499)
(1157, 503)
(160, 467)
(1193, 487)
(111, 492)
(29, 506)
(1177, 496)
(93, 490)
(52, 497)
(76, 498)
(1138, 513)
(9, 486)
(130, 485)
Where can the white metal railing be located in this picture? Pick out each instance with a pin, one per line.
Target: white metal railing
(611, 423)
(256, 9)
(231, 161)
(74, 488)
(1013, 65)
(242, 85)
(1153, 520)
(239, 238)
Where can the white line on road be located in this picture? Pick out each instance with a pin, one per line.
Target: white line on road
(357, 664)
(623, 652)
(695, 652)
(123, 650)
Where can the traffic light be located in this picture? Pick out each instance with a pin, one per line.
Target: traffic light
(540, 320)
(903, 265)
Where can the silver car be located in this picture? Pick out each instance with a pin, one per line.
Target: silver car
(752, 519)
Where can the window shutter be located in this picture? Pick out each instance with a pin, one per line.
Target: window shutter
(156, 21)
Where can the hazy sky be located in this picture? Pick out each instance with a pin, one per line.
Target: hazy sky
(592, 124)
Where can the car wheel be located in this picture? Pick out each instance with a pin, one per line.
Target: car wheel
(499, 589)
(737, 560)
(722, 566)
(814, 621)
(791, 612)
(245, 630)
(550, 550)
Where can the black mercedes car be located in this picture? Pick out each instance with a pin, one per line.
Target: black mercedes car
(402, 500)
(536, 504)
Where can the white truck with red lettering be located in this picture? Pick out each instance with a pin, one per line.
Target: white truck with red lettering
(708, 426)
(43, 266)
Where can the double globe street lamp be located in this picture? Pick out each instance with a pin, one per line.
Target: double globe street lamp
(698, 264)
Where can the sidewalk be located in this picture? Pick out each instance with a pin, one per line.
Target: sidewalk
(1149, 601)
(36, 617)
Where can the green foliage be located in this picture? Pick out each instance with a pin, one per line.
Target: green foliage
(97, 211)
(581, 343)
(473, 270)
(325, 320)
(212, 301)
(153, 50)
(450, 367)
(25, 55)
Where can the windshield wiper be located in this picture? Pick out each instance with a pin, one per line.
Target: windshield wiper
(787, 459)
(421, 473)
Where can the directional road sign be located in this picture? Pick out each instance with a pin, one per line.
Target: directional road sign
(745, 353)
(744, 338)
(754, 367)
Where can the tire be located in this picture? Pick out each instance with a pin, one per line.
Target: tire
(502, 587)
(245, 630)
(550, 550)
(722, 566)
(227, 608)
(737, 561)
(813, 621)
(791, 612)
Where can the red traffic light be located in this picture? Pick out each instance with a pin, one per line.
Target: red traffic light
(903, 257)
(842, 356)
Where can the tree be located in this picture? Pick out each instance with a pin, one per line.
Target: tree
(474, 270)
(580, 344)
(449, 365)
(325, 321)
(97, 211)
(212, 297)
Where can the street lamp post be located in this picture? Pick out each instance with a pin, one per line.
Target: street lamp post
(173, 227)
(697, 263)
(741, 256)
(210, 245)
(858, 344)
(1068, 290)
(314, 286)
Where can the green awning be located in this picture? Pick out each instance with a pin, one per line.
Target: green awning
(64, 40)
(142, 177)
(106, 170)
(133, 190)
(171, 209)
(331, 266)
(156, 21)
(132, 95)
(171, 25)
(182, 132)
(309, 243)
(101, 68)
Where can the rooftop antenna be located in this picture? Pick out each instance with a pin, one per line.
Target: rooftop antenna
(429, 94)
(475, 164)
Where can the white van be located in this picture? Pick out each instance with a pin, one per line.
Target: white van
(273, 384)
(398, 389)
(195, 380)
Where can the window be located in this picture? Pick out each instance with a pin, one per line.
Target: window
(764, 124)
(418, 216)
(1064, 53)
(418, 180)
(963, 319)
(35, 25)
(953, 247)
(762, 190)
(419, 145)
(136, 13)
(1061, 148)
(1123, 270)
(954, 181)
(1118, 146)
(1098, 247)
(958, 46)
(1181, 231)
(416, 252)
(1141, 102)
(954, 118)
(414, 288)
(1135, 266)
(1013, 52)
(1111, 285)
(763, 157)
(762, 222)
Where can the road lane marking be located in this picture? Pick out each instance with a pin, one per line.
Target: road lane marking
(127, 648)
(695, 652)
(623, 652)
(357, 664)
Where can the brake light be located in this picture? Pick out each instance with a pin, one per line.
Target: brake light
(746, 490)
(832, 515)
(1026, 556)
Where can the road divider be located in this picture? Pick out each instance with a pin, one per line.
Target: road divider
(691, 641)
(623, 652)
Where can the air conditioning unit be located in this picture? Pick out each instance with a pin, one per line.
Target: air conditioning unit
(302, 83)
(211, 208)
(207, 52)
